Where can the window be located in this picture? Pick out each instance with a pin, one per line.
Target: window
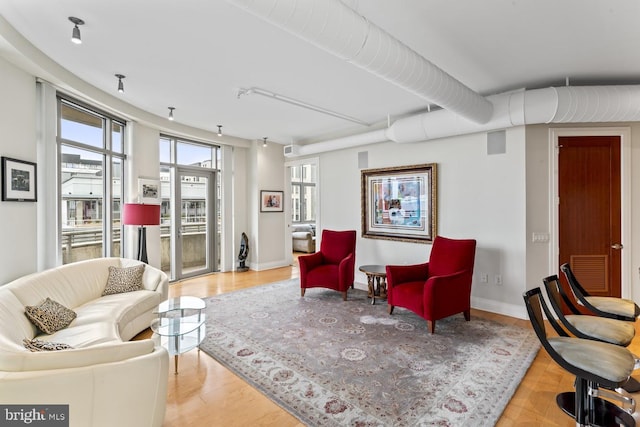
(303, 193)
(91, 163)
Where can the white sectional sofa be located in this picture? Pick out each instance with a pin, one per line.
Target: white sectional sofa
(105, 379)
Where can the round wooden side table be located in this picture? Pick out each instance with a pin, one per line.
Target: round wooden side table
(376, 280)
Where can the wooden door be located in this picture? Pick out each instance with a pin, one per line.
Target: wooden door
(590, 211)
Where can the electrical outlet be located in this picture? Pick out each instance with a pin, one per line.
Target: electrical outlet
(498, 279)
(484, 278)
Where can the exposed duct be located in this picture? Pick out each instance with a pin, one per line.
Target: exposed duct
(586, 104)
(339, 30)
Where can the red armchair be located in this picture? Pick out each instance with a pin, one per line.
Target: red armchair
(333, 266)
(436, 289)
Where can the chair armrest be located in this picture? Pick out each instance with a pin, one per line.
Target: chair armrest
(346, 271)
(399, 274)
(309, 262)
(449, 286)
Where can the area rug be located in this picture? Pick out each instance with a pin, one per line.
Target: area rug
(348, 363)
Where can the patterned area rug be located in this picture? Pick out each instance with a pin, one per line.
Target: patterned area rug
(335, 363)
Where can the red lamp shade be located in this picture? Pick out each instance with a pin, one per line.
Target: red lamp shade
(139, 214)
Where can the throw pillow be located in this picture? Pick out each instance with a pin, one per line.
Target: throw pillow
(121, 280)
(49, 316)
(39, 345)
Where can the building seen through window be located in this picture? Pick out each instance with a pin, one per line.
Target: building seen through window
(303, 193)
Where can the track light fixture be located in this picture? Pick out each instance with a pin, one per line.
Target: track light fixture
(120, 84)
(264, 141)
(75, 33)
(171, 112)
(219, 130)
(276, 96)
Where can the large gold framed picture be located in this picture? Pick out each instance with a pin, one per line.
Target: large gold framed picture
(400, 203)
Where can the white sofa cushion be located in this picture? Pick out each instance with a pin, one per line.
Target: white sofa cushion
(87, 335)
(121, 308)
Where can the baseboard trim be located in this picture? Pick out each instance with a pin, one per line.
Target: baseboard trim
(492, 306)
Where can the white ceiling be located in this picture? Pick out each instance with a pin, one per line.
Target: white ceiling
(194, 55)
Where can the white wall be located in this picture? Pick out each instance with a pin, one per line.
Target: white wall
(18, 140)
(268, 231)
(479, 196)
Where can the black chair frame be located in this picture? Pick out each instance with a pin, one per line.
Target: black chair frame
(583, 405)
(555, 292)
(580, 293)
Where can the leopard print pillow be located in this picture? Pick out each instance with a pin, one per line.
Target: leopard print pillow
(121, 280)
(49, 316)
(39, 345)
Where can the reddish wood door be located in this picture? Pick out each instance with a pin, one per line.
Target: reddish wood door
(590, 211)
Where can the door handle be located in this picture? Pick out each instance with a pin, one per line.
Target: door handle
(617, 246)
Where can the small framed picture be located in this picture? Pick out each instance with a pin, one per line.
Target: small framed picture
(19, 180)
(149, 191)
(271, 201)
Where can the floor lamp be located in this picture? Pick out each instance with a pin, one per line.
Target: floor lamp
(141, 215)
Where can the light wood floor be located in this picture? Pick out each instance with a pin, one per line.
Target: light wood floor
(204, 393)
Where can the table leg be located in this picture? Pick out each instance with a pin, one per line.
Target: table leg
(176, 346)
(372, 291)
(383, 287)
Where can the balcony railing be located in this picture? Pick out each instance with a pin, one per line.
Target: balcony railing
(86, 243)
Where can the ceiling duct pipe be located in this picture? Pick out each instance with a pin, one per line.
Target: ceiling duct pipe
(567, 104)
(341, 31)
(372, 137)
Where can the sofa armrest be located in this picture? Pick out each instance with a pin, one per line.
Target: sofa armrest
(78, 357)
(127, 393)
(302, 235)
(156, 280)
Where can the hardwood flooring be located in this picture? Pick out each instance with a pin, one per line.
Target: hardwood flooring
(204, 393)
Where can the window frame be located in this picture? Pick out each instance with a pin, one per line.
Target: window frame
(107, 157)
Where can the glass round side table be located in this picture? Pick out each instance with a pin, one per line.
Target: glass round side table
(180, 325)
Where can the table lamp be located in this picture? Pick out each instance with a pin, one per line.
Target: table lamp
(141, 215)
